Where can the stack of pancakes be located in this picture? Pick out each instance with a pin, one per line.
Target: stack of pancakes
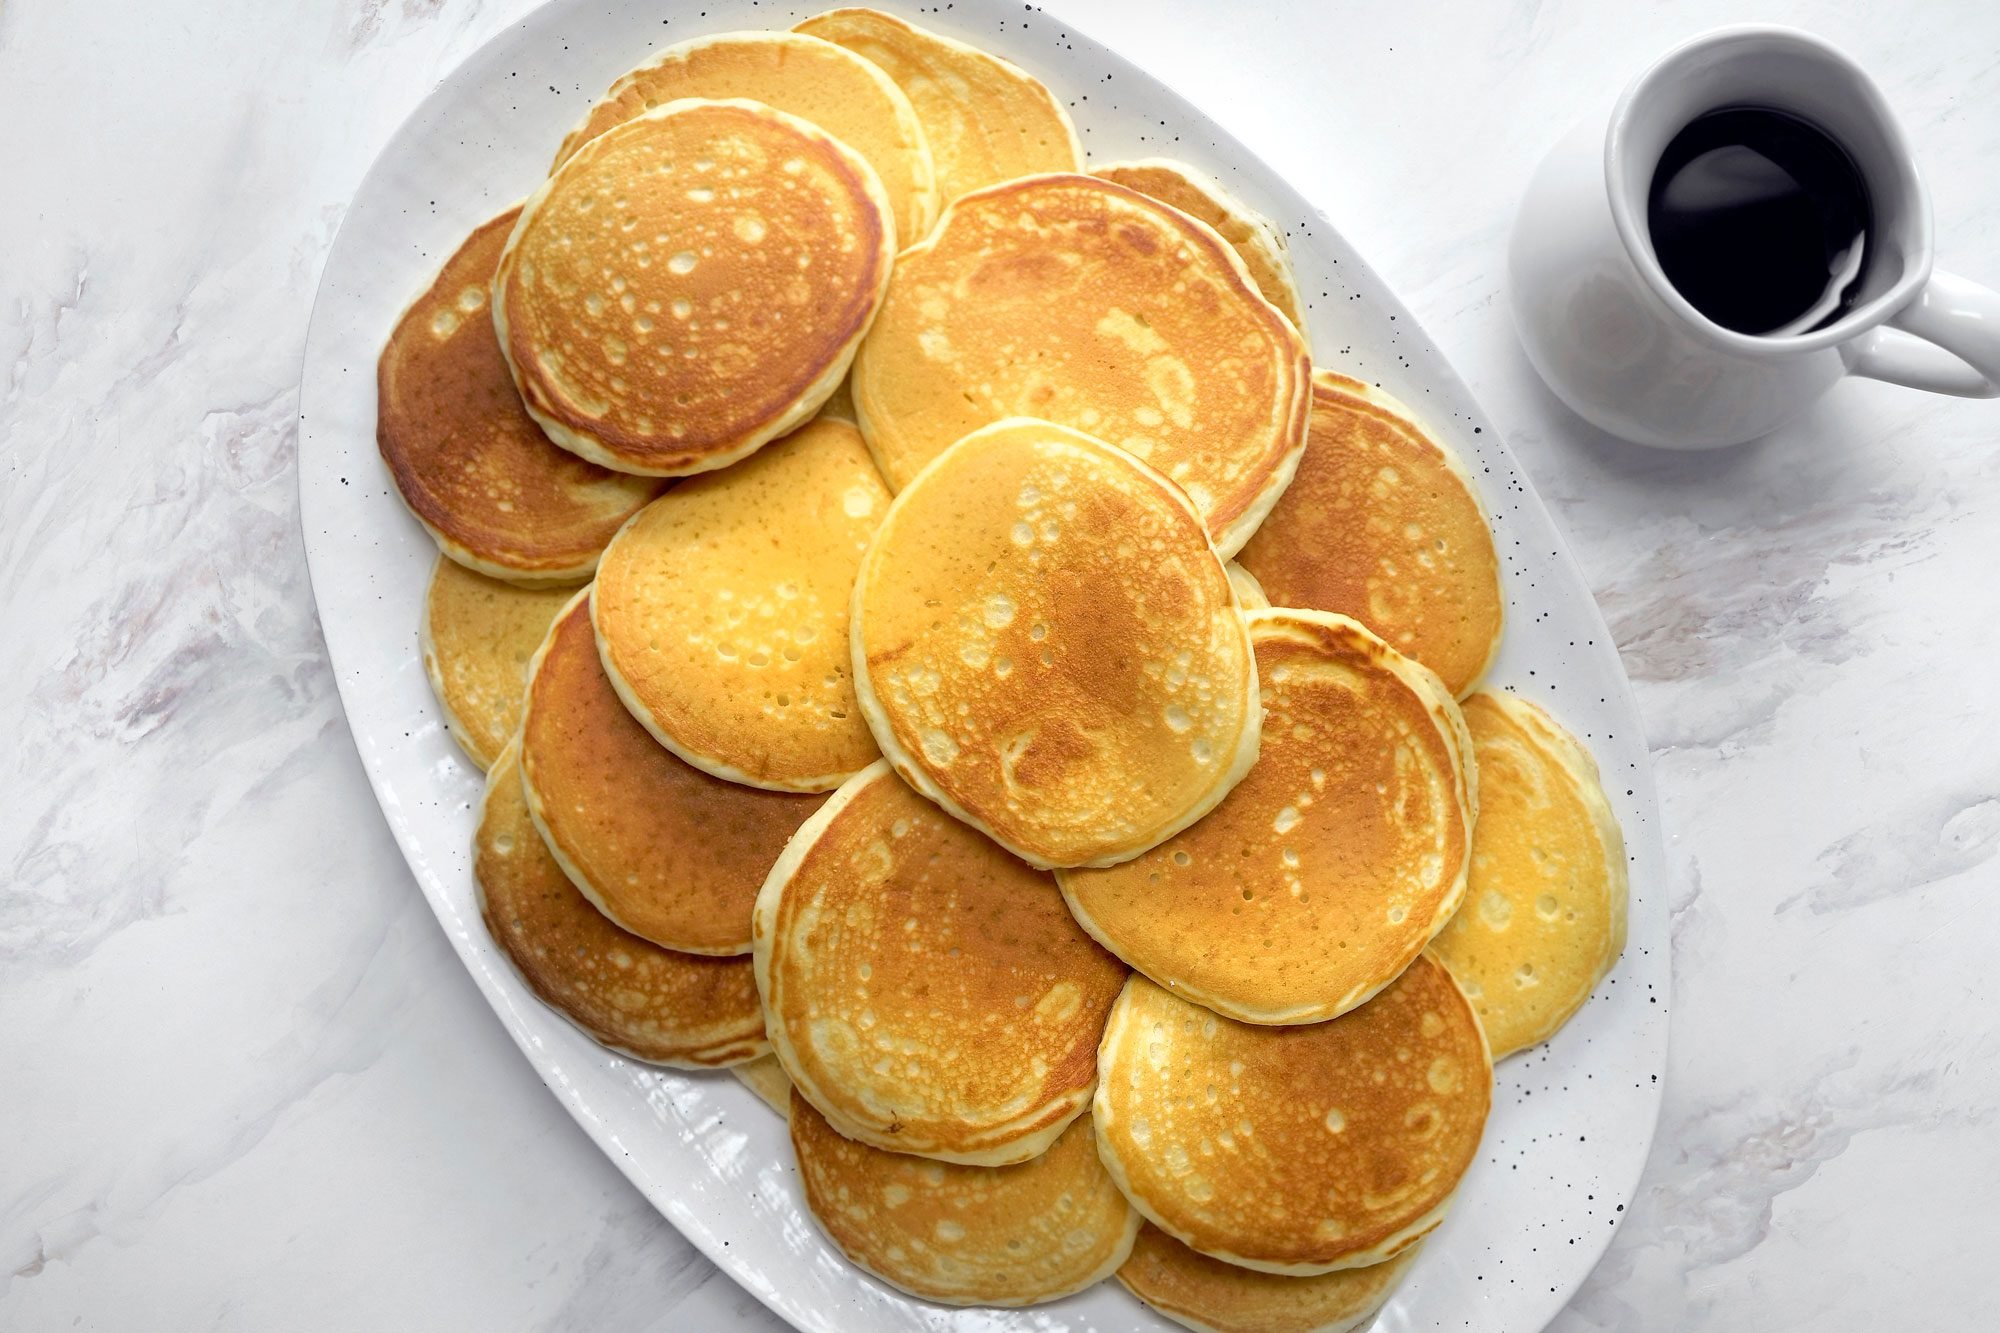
(941, 650)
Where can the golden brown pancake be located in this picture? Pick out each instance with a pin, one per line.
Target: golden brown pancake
(690, 284)
(478, 634)
(653, 1004)
(663, 849)
(1382, 524)
(722, 611)
(466, 457)
(1215, 1297)
(840, 405)
(1046, 645)
(967, 1235)
(842, 93)
(1334, 1145)
(1331, 865)
(1082, 302)
(1256, 241)
(925, 990)
(767, 1078)
(1544, 915)
(984, 119)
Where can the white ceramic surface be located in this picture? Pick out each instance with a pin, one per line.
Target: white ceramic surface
(1615, 341)
(1572, 1120)
(249, 1087)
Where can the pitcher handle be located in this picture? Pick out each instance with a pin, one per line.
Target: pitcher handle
(1945, 341)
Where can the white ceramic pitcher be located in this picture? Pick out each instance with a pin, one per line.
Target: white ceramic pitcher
(1618, 344)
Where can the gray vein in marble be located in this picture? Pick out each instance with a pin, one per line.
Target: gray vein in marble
(1943, 837)
(1684, 907)
(344, 1024)
(1711, 1189)
(374, 21)
(634, 1274)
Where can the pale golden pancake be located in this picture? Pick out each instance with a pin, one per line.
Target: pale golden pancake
(466, 457)
(1331, 865)
(1215, 1297)
(653, 1004)
(1294, 1150)
(1544, 915)
(767, 1078)
(478, 634)
(1082, 302)
(847, 96)
(663, 849)
(925, 990)
(1257, 242)
(1249, 593)
(1046, 645)
(690, 284)
(967, 1235)
(722, 611)
(1382, 523)
(984, 119)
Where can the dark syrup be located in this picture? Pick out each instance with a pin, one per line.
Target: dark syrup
(1760, 220)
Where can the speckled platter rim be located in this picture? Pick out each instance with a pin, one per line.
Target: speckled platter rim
(1572, 1120)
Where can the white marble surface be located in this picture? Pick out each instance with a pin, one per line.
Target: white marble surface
(246, 1084)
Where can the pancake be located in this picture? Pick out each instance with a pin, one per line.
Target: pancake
(842, 93)
(767, 1078)
(1249, 593)
(1382, 523)
(663, 849)
(967, 1235)
(840, 403)
(466, 457)
(722, 611)
(477, 636)
(1328, 868)
(1215, 1297)
(1336, 1145)
(1046, 645)
(1256, 241)
(651, 1003)
(1544, 915)
(925, 990)
(691, 284)
(984, 119)
(1082, 302)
